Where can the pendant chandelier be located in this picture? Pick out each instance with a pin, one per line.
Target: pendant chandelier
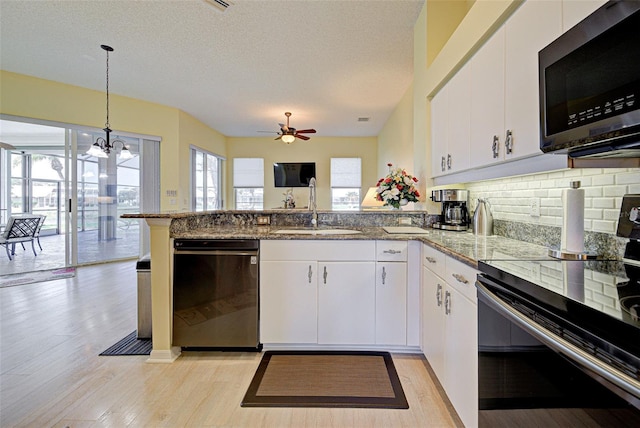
(103, 146)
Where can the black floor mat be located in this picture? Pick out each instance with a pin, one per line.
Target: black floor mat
(130, 345)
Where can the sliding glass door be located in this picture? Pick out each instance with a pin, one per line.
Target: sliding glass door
(46, 170)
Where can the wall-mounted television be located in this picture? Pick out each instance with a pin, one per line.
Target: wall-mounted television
(293, 174)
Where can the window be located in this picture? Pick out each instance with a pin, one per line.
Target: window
(346, 180)
(206, 180)
(248, 183)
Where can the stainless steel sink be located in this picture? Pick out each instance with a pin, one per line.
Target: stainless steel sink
(317, 232)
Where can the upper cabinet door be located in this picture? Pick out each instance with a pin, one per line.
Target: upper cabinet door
(487, 102)
(459, 120)
(439, 113)
(532, 27)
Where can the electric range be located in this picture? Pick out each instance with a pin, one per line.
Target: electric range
(581, 315)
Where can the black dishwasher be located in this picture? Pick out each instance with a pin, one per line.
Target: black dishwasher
(215, 294)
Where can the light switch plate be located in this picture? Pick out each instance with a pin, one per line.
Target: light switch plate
(403, 220)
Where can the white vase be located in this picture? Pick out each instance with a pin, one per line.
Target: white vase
(403, 202)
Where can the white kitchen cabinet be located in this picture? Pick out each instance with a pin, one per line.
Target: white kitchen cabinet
(451, 126)
(532, 27)
(391, 303)
(461, 355)
(504, 85)
(391, 292)
(317, 292)
(439, 132)
(433, 321)
(450, 329)
(487, 102)
(346, 303)
(288, 302)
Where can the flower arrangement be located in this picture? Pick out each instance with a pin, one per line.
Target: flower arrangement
(289, 200)
(397, 188)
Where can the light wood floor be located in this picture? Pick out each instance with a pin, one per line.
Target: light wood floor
(51, 375)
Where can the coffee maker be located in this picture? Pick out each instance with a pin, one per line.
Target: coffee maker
(454, 215)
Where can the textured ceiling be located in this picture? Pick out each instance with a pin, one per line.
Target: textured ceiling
(238, 71)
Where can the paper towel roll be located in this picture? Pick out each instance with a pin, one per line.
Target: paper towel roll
(572, 238)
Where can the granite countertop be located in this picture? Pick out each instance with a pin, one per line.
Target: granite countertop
(463, 246)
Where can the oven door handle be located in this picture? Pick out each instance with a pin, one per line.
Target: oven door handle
(216, 252)
(621, 380)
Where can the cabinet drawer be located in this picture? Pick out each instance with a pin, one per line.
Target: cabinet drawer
(462, 277)
(330, 250)
(433, 260)
(391, 251)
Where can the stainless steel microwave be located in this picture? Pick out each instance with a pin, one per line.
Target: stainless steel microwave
(590, 85)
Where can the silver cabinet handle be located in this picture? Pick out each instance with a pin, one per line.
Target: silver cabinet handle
(392, 251)
(443, 164)
(508, 142)
(430, 259)
(460, 278)
(439, 295)
(310, 274)
(447, 303)
(449, 161)
(324, 275)
(495, 147)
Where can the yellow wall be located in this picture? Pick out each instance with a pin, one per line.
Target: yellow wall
(395, 141)
(318, 149)
(443, 17)
(34, 98)
(194, 133)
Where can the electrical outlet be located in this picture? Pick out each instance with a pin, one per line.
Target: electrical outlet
(406, 221)
(263, 219)
(534, 207)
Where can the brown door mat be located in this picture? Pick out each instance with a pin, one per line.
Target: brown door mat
(326, 379)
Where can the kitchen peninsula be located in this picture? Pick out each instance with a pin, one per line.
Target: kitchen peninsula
(165, 227)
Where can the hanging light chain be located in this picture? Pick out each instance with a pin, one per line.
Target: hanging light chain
(107, 49)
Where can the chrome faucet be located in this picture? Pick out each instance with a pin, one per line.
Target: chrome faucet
(312, 203)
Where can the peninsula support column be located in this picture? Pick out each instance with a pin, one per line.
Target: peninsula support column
(161, 292)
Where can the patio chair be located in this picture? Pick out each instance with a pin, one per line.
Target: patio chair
(36, 235)
(20, 229)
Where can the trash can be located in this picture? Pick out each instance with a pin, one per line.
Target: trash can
(144, 297)
(106, 228)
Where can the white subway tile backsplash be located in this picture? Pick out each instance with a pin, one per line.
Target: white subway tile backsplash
(604, 226)
(603, 180)
(612, 191)
(631, 177)
(593, 214)
(603, 202)
(604, 188)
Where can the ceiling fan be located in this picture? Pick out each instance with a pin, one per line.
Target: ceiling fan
(289, 134)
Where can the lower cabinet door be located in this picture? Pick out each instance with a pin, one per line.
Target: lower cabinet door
(391, 303)
(346, 303)
(461, 355)
(433, 321)
(288, 302)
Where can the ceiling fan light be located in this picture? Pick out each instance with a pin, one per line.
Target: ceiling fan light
(288, 138)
